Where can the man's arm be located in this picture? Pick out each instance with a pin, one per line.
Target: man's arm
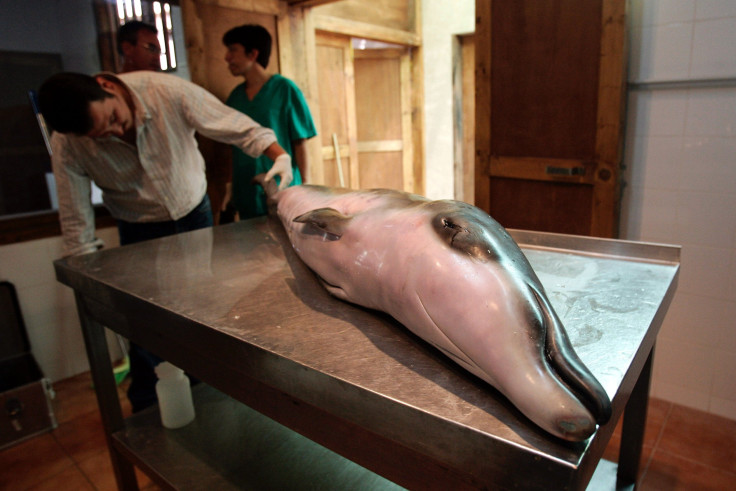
(73, 189)
(302, 157)
(281, 165)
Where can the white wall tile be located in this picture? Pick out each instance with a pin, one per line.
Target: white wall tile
(631, 213)
(714, 49)
(658, 113)
(658, 12)
(658, 215)
(656, 162)
(688, 365)
(724, 368)
(722, 407)
(731, 293)
(696, 319)
(714, 9)
(673, 391)
(706, 218)
(709, 164)
(663, 52)
(705, 271)
(25, 264)
(712, 112)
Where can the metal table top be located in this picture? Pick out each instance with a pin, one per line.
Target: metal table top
(239, 300)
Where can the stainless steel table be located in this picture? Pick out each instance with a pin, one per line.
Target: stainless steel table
(235, 307)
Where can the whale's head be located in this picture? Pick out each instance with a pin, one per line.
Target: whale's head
(496, 320)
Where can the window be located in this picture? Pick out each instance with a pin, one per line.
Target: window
(157, 14)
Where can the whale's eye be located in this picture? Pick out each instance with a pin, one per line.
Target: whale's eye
(448, 224)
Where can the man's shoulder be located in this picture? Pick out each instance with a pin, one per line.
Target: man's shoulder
(283, 82)
(148, 77)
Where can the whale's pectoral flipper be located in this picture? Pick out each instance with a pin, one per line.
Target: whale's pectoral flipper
(331, 222)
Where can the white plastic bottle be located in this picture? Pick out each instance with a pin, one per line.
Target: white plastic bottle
(174, 396)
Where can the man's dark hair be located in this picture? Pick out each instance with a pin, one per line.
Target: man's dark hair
(251, 36)
(128, 33)
(64, 101)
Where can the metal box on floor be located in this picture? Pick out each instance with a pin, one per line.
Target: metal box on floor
(25, 395)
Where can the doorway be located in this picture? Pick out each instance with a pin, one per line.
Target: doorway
(365, 113)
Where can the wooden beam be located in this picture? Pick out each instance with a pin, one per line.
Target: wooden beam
(272, 7)
(482, 104)
(309, 3)
(364, 30)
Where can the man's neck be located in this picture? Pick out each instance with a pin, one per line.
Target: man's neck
(255, 80)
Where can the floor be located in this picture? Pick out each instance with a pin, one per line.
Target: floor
(684, 449)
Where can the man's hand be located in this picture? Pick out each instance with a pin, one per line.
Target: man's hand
(281, 167)
(228, 196)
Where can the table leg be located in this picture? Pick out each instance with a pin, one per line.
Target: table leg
(106, 389)
(632, 431)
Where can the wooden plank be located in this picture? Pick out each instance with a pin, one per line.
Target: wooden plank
(329, 152)
(407, 163)
(271, 7)
(482, 103)
(316, 165)
(381, 146)
(392, 14)
(543, 169)
(417, 103)
(365, 30)
(468, 122)
(611, 113)
(352, 118)
(309, 3)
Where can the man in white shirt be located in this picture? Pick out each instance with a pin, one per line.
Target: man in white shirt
(139, 47)
(133, 135)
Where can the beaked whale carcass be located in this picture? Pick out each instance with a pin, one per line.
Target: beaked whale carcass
(452, 275)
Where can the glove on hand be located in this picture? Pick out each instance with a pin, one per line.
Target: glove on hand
(281, 167)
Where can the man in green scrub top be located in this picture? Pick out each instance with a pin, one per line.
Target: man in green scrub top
(272, 101)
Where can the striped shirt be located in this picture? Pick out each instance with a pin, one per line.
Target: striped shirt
(161, 178)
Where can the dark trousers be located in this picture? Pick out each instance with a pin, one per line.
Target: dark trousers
(142, 390)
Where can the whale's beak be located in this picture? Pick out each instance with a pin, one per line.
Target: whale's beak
(569, 369)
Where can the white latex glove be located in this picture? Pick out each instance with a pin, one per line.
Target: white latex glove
(281, 167)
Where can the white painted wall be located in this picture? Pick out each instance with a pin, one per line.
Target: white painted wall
(442, 20)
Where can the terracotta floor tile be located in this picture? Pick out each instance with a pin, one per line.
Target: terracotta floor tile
(70, 478)
(98, 470)
(74, 397)
(32, 462)
(82, 437)
(701, 437)
(673, 473)
(657, 413)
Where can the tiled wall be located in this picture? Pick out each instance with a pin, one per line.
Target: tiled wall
(48, 307)
(681, 186)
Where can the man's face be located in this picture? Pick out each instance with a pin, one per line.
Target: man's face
(238, 62)
(145, 54)
(110, 116)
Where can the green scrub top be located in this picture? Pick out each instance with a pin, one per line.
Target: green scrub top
(279, 105)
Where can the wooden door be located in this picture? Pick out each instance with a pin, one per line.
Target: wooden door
(383, 109)
(365, 115)
(549, 108)
(338, 132)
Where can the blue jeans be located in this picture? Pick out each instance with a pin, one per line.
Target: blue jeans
(142, 390)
